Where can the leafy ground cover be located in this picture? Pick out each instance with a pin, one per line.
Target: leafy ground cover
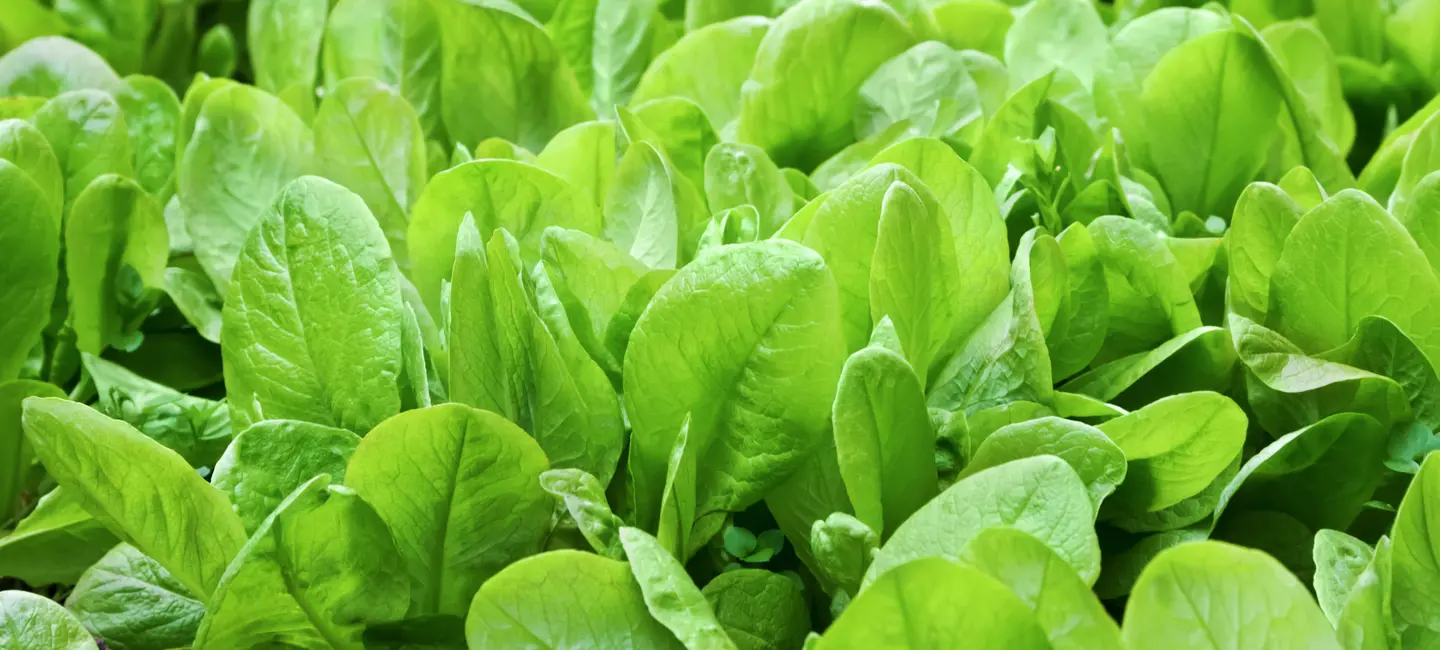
(752, 324)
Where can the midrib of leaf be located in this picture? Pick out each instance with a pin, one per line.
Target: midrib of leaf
(447, 506)
(374, 163)
(520, 625)
(905, 617)
(1198, 613)
(297, 594)
(114, 578)
(731, 384)
(289, 287)
(1215, 125)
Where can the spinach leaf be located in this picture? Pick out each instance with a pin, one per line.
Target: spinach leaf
(599, 601)
(1042, 496)
(157, 510)
(1192, 591)
(132, 602)
(368, 139)
(460, 491)
(33, 621)
(759, 610)
(936, 603)
(313, 319)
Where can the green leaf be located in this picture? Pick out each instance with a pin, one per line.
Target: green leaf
(1414, 216)
(116, 247)
(1098, 462)
(25, 147)
(1150, 298)
(29, 269)
(849, 161)
(132, 602)
(460, 491)
(1042, 496)
(152, 115)
(1417, 552)
(1064, 606)
(1405, 30)
(33, 621)
(1175, 447)
(1346, 260)
(284, 44)
(313, 317)
(1191, 91)
(722, 340)
(982, 252)
(739, 174)
(846, 230)
(217, 53)
(157, 510)
(222, 198)
(652, 210)
(87, 130)
(1421, 157)
(841, 548)
(1200, 359)
(28, 19)
(396, 42)
(196, 428)
(669, 594)
(759, 610)
(501, 76)
(1339, 561)
(117, 30)
(271, 459)
(584, 499)
(319, 569)
(1137, 48)
(592, 278)
(797, 103)
(192, 103)
(1054, 34)
(195, 296)
(583, 155)
(16, 457)
(1322, 475)
(368, 139)
(1189, 511)
(1010, 133)
(1079, 329)
(599, 601)
(1005, 360)
(676, 532)
(1123, 567)
(608, 43)
(1230, 596)
(738, 225)
(680, 128)
(707, 66)
(883, 439)
(928, 85)
(910, 273)
(51, 65)
(506, 358)
(1288, 389)
(812, 495)
(1353, 584)
(55, 543)
(934, 603)
(1308, 60)
(1263, 218)
(523, 199)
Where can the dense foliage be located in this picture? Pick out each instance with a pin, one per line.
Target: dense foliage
(753, 324)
